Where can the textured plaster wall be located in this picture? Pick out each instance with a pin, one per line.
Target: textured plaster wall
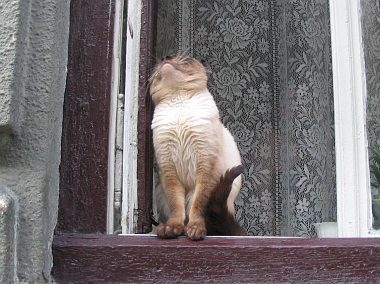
(33, 49)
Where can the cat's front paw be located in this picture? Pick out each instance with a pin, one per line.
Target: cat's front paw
(196, 231)
(169, 231)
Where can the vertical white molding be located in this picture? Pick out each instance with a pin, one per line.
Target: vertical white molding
(353, 192)
(113, 110)
(129, 196)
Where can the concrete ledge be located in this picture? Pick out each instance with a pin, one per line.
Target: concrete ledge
(8, 221)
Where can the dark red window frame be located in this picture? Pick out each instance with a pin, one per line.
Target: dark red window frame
(84, 254)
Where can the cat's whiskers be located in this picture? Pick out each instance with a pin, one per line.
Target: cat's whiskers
(153, 71)
(183, 53)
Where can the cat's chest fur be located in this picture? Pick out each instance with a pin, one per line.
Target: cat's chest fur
(184, 110)
(183, 128)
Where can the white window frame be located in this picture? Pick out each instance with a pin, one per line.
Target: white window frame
(122, 171)
(354, 211)
(132, 58)
(114, 179)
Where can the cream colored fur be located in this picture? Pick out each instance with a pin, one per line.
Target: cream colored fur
(193, 149)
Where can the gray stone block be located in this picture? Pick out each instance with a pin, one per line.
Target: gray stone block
(33, 48)
(12, 48)
(8, 223)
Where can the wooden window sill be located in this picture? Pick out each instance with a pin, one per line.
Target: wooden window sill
(109, 258)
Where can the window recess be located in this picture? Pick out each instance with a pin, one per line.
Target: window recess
(294, 100)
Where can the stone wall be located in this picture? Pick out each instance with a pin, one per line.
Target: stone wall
(33, 48)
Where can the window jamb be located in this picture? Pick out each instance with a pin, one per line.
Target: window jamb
(353, 179)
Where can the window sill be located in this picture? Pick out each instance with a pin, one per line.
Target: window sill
(110, 258)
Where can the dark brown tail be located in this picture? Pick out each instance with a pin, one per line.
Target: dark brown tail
(219, 221)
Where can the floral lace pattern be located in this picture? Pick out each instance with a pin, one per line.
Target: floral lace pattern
(371, 40)
(307, 160)
(271, 77)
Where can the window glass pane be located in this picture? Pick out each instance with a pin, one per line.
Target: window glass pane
(371, 40)
(271, 78)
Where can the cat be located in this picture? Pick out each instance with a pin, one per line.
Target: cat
(193, 148)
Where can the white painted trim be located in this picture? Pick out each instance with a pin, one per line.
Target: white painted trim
(353, 186)
(116, 52)
(129, 199)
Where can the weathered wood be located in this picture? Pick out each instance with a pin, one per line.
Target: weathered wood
(145, 145)
(83, 190)
(136, 259)
(84, 162)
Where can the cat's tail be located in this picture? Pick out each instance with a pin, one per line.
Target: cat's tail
(219, 221)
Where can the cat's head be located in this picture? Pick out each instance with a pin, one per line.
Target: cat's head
(175, 74)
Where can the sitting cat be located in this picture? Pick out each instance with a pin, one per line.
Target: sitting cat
(193, 149)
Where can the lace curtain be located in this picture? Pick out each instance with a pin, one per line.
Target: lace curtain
(272, 81)
(371, 40)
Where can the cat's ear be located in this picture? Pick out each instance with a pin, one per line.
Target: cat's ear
(167, 57)
(206, 66)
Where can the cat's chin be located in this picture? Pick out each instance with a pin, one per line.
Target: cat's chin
(170, 71)
(167, 65)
